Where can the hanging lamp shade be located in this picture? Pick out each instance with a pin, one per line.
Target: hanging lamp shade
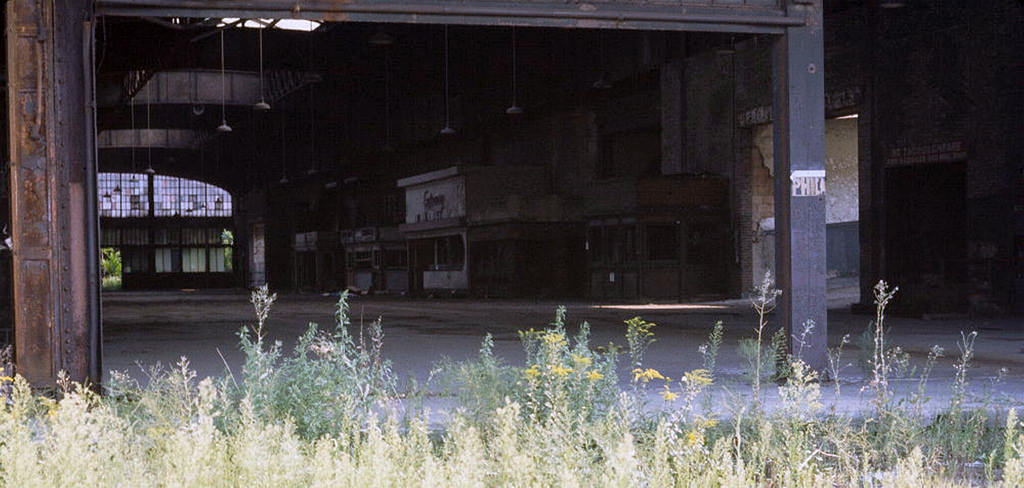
(261, 106)
(447, 131)
(381, 38)
(224, 127)
(149, 170)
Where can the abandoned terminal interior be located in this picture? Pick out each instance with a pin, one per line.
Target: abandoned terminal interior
(514, 152)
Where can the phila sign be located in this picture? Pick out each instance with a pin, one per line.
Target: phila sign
(807, 182)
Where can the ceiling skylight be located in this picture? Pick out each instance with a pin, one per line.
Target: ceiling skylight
(283, 24)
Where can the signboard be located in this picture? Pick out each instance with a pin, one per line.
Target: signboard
(942, 152)
(362, 234)
(835, 101)
(435, 200)
(808, 182)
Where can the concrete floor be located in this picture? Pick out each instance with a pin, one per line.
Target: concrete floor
(142, 328)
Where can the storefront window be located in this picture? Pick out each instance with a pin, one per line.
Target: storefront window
(450, 253)
(662, 242)
(394, 258)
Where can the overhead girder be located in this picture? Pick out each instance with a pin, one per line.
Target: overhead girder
(151, 138)
(203, 87)
(749, 16)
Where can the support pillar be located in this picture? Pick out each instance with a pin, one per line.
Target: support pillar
(53, 211)
(799, 116)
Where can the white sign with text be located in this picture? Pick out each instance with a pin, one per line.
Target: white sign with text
(436, 200)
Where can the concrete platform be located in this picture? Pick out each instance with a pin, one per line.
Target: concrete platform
(145, 328)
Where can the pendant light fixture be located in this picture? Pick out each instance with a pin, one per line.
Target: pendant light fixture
(135, 140)
(312, 125)
(387, 102)
(312, 135)
(602, 82)
(514, 109)
(262, 105)
(223, 127)
(447, 130)
(381, 38)
(149, 132)
(284, 161)
(727, 49)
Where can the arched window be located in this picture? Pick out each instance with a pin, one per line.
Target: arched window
(123, 195)
(169, 231)
(127, 195)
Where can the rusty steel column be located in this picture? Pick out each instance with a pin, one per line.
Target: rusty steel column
(799, 113)
(56, 306)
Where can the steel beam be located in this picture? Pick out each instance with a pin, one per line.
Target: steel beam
(53, 228)
(799, 124)
(755, 17)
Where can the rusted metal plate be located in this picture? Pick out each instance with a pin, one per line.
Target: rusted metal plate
(55, 312)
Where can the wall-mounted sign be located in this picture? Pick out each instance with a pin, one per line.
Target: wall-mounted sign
(842, 99)
(942, 152)
(835, 101)
(755, 116)
(362, 234)
(435, 200)
(807, 182)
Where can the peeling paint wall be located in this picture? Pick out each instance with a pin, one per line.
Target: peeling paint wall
(841, 171)
(841, 204)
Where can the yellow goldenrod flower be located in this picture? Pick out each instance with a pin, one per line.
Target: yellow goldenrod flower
(582, 360)
(6, 378)
(693, 437)
(646, 375)
(532, 371)
(561, 370)
(668, 395)
(594, 376)
(709, 423)
(698, 377)
(555, 339)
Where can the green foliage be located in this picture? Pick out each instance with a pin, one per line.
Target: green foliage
(324, 414)
(110, 261)
(110, 268)
(481, 385)
(330, 382)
